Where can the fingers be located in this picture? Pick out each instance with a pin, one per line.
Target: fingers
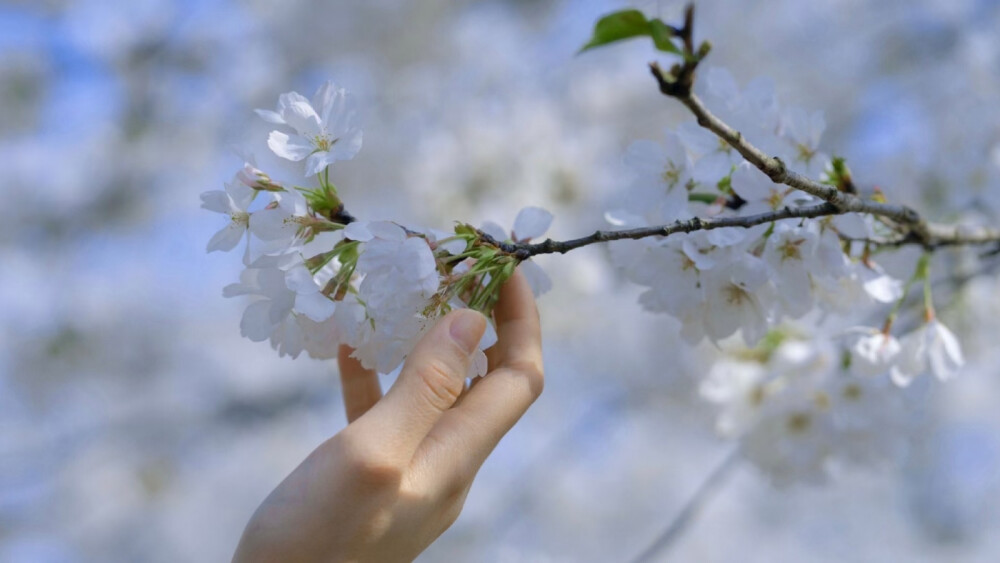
(519, 333)
(429, 384)
(467, 434)
(360, 386)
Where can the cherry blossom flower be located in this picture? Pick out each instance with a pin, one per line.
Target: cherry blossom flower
(931, 348)
(659, 190)
(733, 300)
(399, 277)
(790, 253)
(760, 193)
(714, 159)
(802, 130)
(234, 202)
(255, 178)
(673, 279)
(280, 223)
(717, 246)
(873, 352)
(752, 108)
(321, 136)
(298, 333)
(281, 293)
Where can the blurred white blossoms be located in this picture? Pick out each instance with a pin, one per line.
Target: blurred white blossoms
(322, 136)
(874, 351)
(931, 348)
(799, 411)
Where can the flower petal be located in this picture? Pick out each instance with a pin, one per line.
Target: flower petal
(302, 117)
(317, 161)
(359, 231)
(256, 323)
(290, 147)
(300, 280)
(227, 238)
(242, 195)
(316, 306)
(750, 183)
(531, 222)
(217, 201)
(347, 145)
(945, 356)
(326, 97)
(494, 230)
(270, 116)
(272, 224)
(536, 277)
(646, 158)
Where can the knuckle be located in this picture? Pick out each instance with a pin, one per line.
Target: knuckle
(377, 472)
(453, 503)
(441, 382)
(370, 466)
(533, 372)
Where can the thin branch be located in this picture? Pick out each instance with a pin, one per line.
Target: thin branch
(691, 508)
(914, 229)
(524, 251)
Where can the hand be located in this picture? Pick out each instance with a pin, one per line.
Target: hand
(396, 477)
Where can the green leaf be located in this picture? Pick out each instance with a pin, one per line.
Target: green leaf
(662, 34)
(618, 26)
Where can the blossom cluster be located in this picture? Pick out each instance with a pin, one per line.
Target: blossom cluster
(799, 409)
(318, 278)
(793, 408)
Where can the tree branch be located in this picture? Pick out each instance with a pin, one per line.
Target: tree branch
(524, 251)
(912, 228)
(677, 83)
(691, 508)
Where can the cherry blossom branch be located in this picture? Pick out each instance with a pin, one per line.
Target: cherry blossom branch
(910, 226)
(691, 508)
(914, 229)
(523, 251)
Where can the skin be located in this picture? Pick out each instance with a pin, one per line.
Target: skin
(392, 481)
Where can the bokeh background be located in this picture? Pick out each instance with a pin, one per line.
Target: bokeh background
(137, 425)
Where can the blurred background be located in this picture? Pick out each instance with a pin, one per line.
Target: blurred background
(137, 425)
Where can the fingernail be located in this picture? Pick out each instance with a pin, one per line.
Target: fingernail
(467, 328)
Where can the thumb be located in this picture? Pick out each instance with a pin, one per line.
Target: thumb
(431, 379)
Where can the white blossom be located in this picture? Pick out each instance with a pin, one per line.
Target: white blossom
(802, 130)
(873, 352)
(672, 277)
(280, 223)
(732, 299)
(325, 131)
(659, 190)
(280, 293)
(791, 254)
(714, 159)
(760, 192)
(931, 348)
(233, 202)
(399, 277)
